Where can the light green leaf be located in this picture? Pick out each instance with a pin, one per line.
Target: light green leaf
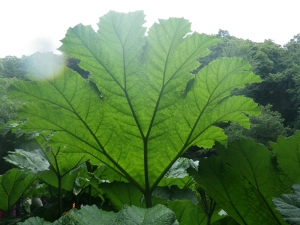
(289, 205)
(137, 121)
(62, 166)
(12, 185)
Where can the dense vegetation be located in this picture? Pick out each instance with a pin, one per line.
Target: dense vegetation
(110, 128)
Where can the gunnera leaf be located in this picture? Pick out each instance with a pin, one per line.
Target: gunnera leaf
(141, 117)
(243, 179)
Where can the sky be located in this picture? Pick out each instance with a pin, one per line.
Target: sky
(28, 26)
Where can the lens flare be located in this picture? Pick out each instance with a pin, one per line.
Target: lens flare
(45, 66)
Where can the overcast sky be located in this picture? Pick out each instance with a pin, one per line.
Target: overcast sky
(27, 26)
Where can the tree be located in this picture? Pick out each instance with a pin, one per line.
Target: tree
(266, 127)
(8, 112)
(11, 67)
(278, 67)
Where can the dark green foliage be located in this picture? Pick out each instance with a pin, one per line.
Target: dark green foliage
(73, 64)
(247, 172)
(188, 213)
(8, 107)
(11, 67)
(242, 180)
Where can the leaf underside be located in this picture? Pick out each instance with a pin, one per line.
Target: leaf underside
(141, 117)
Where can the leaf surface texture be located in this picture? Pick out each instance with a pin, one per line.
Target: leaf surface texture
(136, 113)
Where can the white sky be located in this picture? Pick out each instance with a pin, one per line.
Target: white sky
(27, 26)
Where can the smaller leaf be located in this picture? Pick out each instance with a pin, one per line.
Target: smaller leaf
(36, 190)
(137, 216)
(87, 215)
(289, 205)
(34, 161)
(12, 185)
(34, 221)
(178, 169)
(177, 174)
(129, 215)
(86, 180)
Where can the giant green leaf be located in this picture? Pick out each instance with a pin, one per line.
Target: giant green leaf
(142, 107)
(243, 179)
(12, 185)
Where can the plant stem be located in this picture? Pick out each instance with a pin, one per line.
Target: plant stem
(59, 195)
(148, 191)
(148, 199)
(90, 194)
(207, 203)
